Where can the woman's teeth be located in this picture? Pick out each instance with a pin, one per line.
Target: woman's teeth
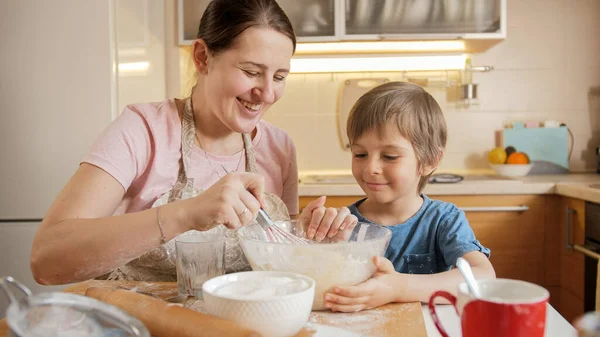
(250, 105)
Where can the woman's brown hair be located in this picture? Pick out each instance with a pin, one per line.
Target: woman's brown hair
(413, 110)
(224, 20)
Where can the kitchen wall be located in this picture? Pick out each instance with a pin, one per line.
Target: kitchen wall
(547, 68)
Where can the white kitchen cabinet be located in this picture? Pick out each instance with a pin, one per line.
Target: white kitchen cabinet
(56, 96)
(58, 92)
(373, 20)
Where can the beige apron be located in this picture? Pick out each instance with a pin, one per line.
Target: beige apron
(159, 263)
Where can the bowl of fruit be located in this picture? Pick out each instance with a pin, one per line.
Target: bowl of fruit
(508, 162)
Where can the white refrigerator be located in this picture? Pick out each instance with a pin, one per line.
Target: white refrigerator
(57, 93)
(60, 86)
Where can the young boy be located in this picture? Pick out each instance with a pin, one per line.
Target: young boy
(397, 135)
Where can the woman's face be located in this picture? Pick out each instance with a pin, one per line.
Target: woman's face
(242, 82)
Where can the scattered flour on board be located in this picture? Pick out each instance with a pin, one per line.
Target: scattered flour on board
(367, 323)
(319, 330)
(363, 322)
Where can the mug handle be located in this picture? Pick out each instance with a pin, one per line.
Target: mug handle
(451, 298)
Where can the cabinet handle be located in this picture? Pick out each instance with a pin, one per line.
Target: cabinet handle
(522, 208)
(569, 215)
(587, 252)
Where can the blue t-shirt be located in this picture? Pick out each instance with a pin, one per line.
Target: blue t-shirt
(431, 240)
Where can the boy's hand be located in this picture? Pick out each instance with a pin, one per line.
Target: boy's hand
(321, 222)
(376, 291)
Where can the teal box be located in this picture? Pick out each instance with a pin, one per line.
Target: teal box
(547, 148)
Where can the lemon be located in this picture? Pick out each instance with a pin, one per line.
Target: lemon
(497, 156)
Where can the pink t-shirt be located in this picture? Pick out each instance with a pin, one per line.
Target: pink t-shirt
(141, 150)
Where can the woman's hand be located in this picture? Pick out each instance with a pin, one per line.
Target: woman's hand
(381, 289)
(322, 222)
(233, 201)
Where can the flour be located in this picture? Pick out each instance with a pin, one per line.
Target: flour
(58, 321)
(364, 322)
(263, 288)
(319, 330)
(328, 265)
(389, 320)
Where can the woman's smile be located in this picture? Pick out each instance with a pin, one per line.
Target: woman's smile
(249, 108)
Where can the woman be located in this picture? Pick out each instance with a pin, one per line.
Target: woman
(149, 177)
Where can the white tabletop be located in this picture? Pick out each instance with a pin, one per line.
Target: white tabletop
(556, 325)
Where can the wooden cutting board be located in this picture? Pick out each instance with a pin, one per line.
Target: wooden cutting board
(398, 319)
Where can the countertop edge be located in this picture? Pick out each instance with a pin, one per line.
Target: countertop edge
(578, 187)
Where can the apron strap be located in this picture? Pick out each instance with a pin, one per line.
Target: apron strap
(188, 131)
(250, 155)
(187, 144)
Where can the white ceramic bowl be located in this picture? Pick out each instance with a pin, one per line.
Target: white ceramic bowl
(272, 303)
(346, 260)
(512, 170)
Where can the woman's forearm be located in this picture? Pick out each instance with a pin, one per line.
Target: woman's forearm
(73, 250)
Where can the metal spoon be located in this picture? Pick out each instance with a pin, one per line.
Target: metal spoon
(465, 269)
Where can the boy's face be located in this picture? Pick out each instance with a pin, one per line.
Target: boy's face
(386, 168)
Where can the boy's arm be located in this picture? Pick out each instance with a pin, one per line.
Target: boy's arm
(421, 287)
(388, 286)
(455, 239)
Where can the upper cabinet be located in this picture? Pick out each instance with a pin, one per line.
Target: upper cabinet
(404, 18)
(313, 20)
(375, 20)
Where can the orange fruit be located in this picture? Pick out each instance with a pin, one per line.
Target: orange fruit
(517, 158)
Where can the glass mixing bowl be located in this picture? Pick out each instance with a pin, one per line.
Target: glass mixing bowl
(346, 259)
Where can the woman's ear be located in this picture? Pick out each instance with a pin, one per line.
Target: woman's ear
(201, 55)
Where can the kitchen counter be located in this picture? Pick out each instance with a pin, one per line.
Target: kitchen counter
(394, 319)
(399, 319)
(572, 185)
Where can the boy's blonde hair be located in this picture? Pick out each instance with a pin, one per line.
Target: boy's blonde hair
(414, 111)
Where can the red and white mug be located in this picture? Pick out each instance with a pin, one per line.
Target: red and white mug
(506, 308)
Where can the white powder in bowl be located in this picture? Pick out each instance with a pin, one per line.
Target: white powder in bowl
(262, 288)
(327, 267)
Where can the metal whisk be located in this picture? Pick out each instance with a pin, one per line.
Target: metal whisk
(275, 233)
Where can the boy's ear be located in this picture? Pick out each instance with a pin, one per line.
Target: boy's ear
(427, 170)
